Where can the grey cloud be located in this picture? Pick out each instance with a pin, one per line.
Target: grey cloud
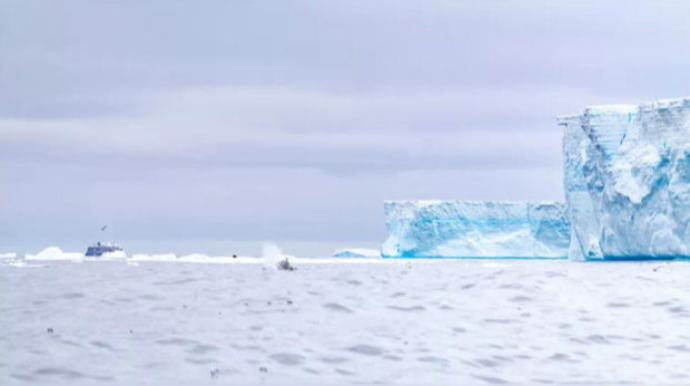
(292, 120)
(269, 127)
(68, 49)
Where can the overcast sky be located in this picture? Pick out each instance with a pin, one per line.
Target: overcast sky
(210, 126)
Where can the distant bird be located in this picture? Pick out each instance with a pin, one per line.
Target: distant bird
(103, 227)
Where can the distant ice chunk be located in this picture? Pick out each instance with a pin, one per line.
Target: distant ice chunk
(8, 255)
(357, 253)
(157, 257)
(195, 257)
(469, 229)
(115, 255)
(627, 181)
(19, 263)
(55, 254)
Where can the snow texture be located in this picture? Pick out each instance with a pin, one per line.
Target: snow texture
(357, 253)
(466, 229)
(627, 181)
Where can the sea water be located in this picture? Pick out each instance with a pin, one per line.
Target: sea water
(337, 322)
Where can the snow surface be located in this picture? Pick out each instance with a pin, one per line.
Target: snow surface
(468, 229)
(357, 252)
(344, 322)
(627, 181)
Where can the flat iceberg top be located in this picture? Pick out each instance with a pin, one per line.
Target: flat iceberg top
(423, 203)
(618, 109)
(666, 104)
(474, 211)
(610, 109)
(480, 229)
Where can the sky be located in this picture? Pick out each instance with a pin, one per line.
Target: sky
(212, 126)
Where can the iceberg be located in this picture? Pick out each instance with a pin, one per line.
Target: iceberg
(195, 257)
(56, 254)
(155, 257)
(469, 229)
(627, 181)
(114, 255)
(357, 253)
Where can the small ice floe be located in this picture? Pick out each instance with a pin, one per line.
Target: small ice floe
(195, 258)
(24, 264)
(9, 255)
(357, 253)
(158, 257)
(114, 255)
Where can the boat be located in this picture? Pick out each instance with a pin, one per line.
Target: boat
(99, 249)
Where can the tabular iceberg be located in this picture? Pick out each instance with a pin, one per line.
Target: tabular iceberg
(627, 181)
(465, 229)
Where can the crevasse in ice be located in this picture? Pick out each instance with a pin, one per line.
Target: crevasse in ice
(627, 181)
(466, 229)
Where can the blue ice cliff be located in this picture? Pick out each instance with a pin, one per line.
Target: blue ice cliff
(627, 181)
(465, 229)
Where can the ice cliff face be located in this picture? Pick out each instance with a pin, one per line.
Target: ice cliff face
(476, 229)
(627, 181)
